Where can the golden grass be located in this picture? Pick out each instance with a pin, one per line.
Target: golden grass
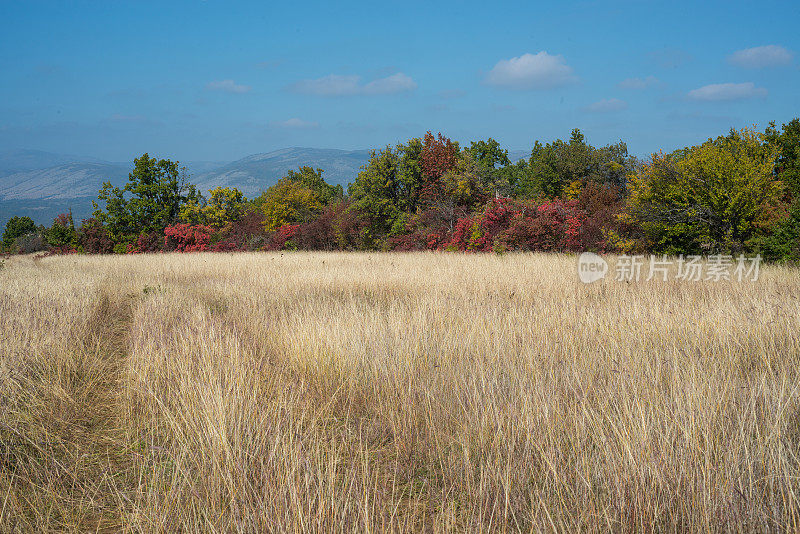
(332, 392)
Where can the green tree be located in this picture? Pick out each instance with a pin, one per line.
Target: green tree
(409, 175)
(489, 154)
(298, 197)
(150, 201)
(784, 241)
(17, 227)
(62, 233)
(496, 175)
(375, 194)
(564, 168)
(787, 164)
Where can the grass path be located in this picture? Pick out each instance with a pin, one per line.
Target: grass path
(66, 466)
(104, 443)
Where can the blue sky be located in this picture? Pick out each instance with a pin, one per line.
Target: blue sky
(212, 80)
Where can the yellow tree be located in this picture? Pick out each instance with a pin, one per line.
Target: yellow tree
(714, 193)
(227, 204)
(288, 202)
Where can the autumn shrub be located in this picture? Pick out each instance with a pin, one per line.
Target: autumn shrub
(282, 238)
(550, 226)
(93, 237)
(478, 232)
(430, 229)
(321, 233)
(246, 233)
(145, 242)
(29, 243)
(459, 239)
(183, 237)
(351, 228)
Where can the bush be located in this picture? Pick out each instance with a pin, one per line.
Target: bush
(321, 233)
(246, 233)
(602, 205)
(17, 227)
(61, 236)
(29, 243)
(428, 230)
(281, 239)
(146, 242)
(93, 238)
(478, 232)
(187, 238)
(549, 227)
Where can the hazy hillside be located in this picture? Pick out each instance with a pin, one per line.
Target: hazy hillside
(62, 181)
(516, 155)
(255, 173)
(14, 161)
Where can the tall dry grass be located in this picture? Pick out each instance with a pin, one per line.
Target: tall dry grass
(398, 392)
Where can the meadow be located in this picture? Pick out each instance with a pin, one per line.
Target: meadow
(402, 392)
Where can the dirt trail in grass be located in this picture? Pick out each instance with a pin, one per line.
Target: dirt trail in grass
(102, 444)
(66, 463)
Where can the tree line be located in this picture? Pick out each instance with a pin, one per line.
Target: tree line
(736, 193)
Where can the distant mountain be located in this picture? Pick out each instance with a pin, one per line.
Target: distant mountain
(70, 180)
(516, 155)
(256, 173)
(14, 161)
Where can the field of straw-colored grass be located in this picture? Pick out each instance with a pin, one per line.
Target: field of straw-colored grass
(335, 392)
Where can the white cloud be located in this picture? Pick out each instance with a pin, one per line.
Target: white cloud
(726, 91)
(607, 105)
(296, 124)
(396, 83)
(346, 85)
(761, 57)
(531, 71)
(638, 83)
(227, 86)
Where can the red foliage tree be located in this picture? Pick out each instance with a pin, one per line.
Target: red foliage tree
(439, 155)
(320, 234)
(602, 205)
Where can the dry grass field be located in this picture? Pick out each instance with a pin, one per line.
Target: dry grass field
(334, 392)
